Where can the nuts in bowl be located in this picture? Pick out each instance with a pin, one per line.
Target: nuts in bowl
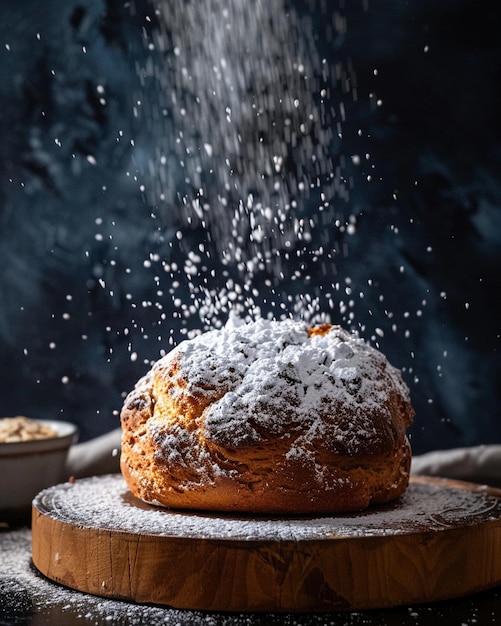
(20, 428)
(33, 456)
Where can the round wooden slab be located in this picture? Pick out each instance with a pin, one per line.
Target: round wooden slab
(441, 539)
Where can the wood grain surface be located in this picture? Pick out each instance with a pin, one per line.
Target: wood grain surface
(441, 540)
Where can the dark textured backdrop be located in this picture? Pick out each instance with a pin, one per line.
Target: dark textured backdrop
(97, 245)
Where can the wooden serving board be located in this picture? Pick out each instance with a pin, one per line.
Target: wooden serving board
(440, 540)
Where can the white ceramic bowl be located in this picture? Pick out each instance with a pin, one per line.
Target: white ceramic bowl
(27, 467)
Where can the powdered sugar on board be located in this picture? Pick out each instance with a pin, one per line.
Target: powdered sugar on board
(105, 503)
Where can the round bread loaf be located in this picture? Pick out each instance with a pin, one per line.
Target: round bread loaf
(268, 417)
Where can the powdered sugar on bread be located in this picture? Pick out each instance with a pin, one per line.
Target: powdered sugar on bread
(272, 376)
(268, 416)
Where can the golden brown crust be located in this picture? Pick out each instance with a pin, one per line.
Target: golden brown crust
(205, 441)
